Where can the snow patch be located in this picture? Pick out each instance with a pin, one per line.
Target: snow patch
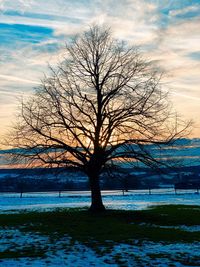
(62, 252)
(133, 200)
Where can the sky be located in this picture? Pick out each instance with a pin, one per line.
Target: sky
(33, 34)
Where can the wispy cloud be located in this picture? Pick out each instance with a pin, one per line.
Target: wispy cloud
(17, 79)
(184, 11)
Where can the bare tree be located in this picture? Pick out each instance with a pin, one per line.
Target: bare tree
(101, 105)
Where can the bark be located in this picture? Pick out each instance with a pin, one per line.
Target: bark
(96, 198)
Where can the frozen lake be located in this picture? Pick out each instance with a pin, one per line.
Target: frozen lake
(134, 199)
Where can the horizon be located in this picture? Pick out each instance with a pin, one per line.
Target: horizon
(185, 149)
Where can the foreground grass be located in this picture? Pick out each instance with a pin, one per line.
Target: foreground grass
(29, 236)
(114, 225)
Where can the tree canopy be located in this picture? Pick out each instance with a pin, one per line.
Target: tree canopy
(102, 104)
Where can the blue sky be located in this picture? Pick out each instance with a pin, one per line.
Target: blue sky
(33, 33)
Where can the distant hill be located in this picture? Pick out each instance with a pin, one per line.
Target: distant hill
(40, 179)
(184, 153)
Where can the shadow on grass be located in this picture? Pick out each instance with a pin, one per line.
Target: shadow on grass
(113, 225)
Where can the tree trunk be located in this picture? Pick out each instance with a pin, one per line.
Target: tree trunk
(96, 199)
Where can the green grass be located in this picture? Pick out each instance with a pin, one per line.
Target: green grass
(117, 226)
(170, 215)
(30, 251)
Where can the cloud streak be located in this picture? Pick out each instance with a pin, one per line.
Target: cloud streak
(17, 79)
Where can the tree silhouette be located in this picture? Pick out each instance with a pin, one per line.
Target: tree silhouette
(102, 104)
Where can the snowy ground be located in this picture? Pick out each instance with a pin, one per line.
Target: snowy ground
(65, 252)
(132, 200)
(62, 253)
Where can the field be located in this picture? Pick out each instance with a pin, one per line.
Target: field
(131, 200)
(161, 235)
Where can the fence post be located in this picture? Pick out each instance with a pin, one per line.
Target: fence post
(175, 190)
(149, 191)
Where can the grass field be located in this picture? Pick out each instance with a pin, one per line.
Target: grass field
(101, 233)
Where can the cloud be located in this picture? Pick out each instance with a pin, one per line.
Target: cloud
(69, 17)
(185, 10)
(17, 79)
